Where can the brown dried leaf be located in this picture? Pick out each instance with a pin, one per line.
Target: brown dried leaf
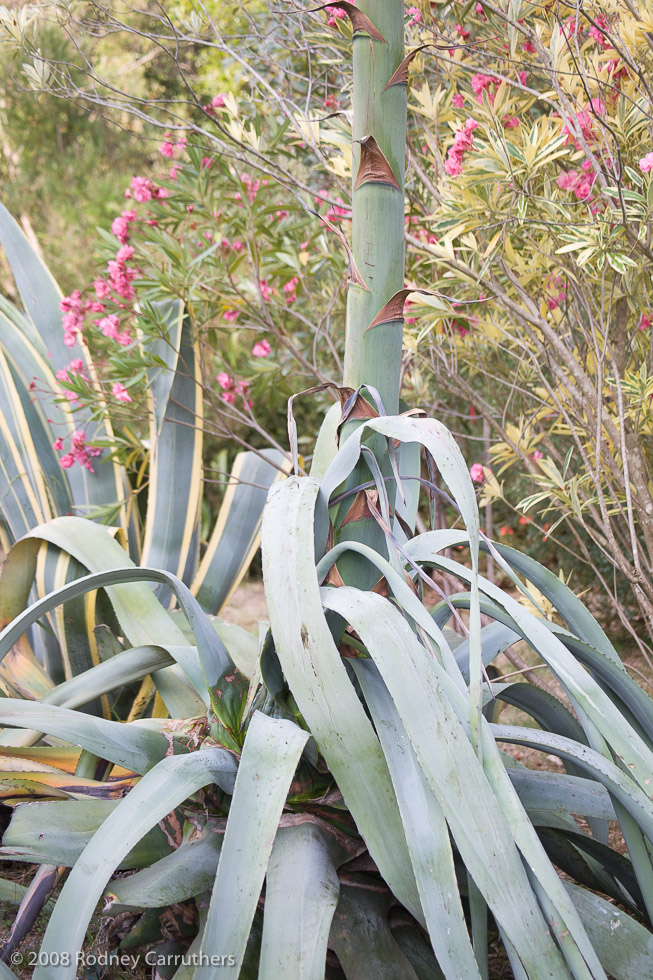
(394, 308)
(359, 510)
(360, 22)
(400, 77)
(354, 275)
(360, 408)
(334, 577)
(374, 167)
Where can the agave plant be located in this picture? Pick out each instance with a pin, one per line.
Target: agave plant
(337, 799)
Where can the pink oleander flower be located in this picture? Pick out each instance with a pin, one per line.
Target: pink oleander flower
(237, 246)
(290, 289)
(476, 472)
(335, 13)
(67, 461)
(72, 303)
(597, 32)
(217, 102)
(462, 144)
(479, 11)
(537, 454)
(207, 163)
(646, 163)
(102, 289)
(57, 445)
(167, 149)
(109, 325)
(281, 215)
(224, 380)
(261, 348)
(142, 189)
(528, 47)
(503, 531)
(173, 172)
(120, 225)
(228, 397)
(458, 100)
(119, 392)
(266, 291)
(415, 16)
(461, 31)
(510, 122)
(645, 322)
(125, 253)
(522, 76)
(230, 315)
(481, 82)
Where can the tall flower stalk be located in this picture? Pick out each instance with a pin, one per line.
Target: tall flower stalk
(374, 357)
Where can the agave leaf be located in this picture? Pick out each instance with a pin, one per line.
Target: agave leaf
(57, 832)
(137, 749)
(362, 939)
(541, 790)
(632, 700)
(6, 973)
(301, 895)
(237, 532)
(321, 687)
(580, 686)
(624, 946)
(186, 872)
(18, 786)
(576, 615)
(164, 349)
(273, 747)
(72, 621)
(162, 789)
(140, 614)
(426, 832)
(41, 296)
(418, 687)
(621, 786)
(170, 540)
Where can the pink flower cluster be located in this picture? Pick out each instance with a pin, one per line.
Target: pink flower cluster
(645, 322)
(252, 187)
(290, 289)
(119, 392)
(598, 32)
(63, 374)
(556, 294)
(338, 210)
(217, 102)
(415, 16)
(646, 163)
(482, 82)
(335, 13)
(585, 121)
(168, 147)
(476, 472)
(80, 452)
(261, 348)
(231, 388)
(463, 142)
(120, 226)
(579, 183)
(142, 189)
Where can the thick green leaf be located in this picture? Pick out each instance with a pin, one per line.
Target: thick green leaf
(624, 946)
(162, 789)
(301, 894)
(171, 521)
(56, 832)
(321, 687)
(362, 939)
(186, 872)
(418, 687)
(237, 532)
(270, 755)
(132, 747)
(426, 830)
